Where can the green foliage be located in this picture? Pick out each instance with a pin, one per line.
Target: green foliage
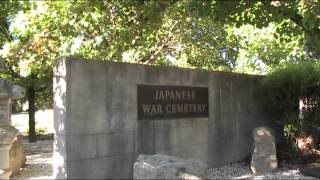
(263, 49)
(290, 130)
(266, 34)
(240, 36)
(41, 130)
(148, 32)
(27, 51)
(285, 88)
(17, 105)
(34, 33)
(187, 33)
(44, 99)
(302, 15)
(152, 32)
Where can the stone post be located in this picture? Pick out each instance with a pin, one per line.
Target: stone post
(7, 137)
(8, 134)
(264, 156)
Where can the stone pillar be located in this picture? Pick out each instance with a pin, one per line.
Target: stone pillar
(7, 137)
(264, 156)
(8, 134)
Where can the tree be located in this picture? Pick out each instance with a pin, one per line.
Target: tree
(285, 89)
(25, 52)
(34, 33)
(267, 33)
(295, 17)
(148, 32)
(261, 50)
(215, 35)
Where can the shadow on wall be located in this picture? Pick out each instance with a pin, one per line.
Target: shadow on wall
(59, 89)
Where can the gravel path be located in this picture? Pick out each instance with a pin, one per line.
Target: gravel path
(39, 166)
(39, 160)
(241, 170)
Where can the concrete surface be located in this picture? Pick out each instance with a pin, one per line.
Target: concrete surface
(264, 156)
(161, 166)
(8, 134)
(98, 135)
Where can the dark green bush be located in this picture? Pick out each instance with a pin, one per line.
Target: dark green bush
(44, 100)
(282, 91)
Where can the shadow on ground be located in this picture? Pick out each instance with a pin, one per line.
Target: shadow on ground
(39, 160)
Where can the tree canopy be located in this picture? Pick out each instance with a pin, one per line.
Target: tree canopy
(242, 36)
(239, 36)
(293, 18)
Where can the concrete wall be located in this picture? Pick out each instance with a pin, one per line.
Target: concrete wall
(98, 134)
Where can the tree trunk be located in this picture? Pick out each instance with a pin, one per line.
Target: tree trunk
(313, 42)
(31, 112)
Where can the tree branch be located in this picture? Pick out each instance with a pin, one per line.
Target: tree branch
(164, 44)
(13, 73)
(293, 16)
(40, 89)
(4, 28)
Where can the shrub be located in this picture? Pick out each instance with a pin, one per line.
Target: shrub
(41, 130)
(285, 88)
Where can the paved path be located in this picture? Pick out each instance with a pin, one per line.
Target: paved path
(39, 160)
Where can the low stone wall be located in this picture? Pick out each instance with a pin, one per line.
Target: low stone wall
(98, 134)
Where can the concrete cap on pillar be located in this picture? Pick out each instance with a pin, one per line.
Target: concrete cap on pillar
(8, 90)
(7, 135)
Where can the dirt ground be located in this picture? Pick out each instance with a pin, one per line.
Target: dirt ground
(39, 160)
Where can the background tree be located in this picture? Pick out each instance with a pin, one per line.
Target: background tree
(34, 33)
(296, 17)
(240, 36)
(294, 93)
(268, 34)
(148, 32)
(25, 53)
